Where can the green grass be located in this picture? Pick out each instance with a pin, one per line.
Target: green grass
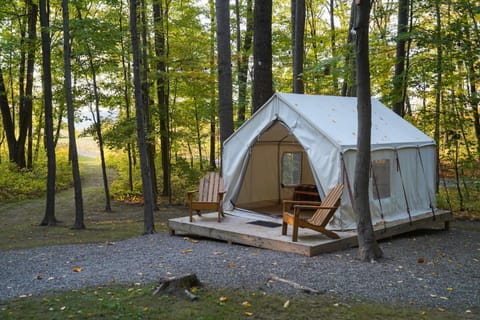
(137, 302)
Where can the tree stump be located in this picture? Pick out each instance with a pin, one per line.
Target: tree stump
(180, 285)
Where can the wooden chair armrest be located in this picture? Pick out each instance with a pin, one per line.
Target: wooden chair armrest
(192, 191)
(306, 202)
(313, 207)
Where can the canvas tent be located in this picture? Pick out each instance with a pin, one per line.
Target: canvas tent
(299, 139)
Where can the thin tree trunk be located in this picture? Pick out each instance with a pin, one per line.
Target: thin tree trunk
(438, 85)
(368, 247)
(148, 207)
(49, 219)
(162, 96)
(399, 79)
(213, 98)
(150, 139)
(244, 55)
(262, 54)
(79, 223)
(333, 40)
(126, 95)
(298, 45)
(349, 87)
(7, 119)
(225, 103)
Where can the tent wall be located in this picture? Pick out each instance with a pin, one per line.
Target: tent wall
(405, 174)
(261, 184)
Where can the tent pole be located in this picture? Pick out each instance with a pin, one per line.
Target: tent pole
(399, 169)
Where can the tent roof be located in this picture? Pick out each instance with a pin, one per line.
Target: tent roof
(336, 118)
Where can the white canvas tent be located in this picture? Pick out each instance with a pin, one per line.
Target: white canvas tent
(305, 139)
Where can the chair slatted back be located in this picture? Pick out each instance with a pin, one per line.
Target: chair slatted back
(210, 185)
(321, 217)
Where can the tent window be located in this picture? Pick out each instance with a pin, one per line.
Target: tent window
(291, 168)
(381, 177)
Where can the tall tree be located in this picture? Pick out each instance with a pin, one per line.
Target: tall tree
(161, 80)
(368, 246)
(149, 204)
(225, 103)
(298, 45)
(213, 95)
(243, 56)
(17, 146)
(77, 184)
(49, 218)
(262, 53)
(399, 79)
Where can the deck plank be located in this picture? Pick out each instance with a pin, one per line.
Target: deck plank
(235, 229)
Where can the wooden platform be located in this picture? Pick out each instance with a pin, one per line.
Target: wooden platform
(266, 232)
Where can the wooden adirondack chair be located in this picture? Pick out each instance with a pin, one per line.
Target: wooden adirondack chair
(323, 213)
(210, 195)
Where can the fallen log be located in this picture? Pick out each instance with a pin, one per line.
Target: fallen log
(296, 285)
(179, 285)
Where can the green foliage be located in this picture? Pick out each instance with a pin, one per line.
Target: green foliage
(18, 184)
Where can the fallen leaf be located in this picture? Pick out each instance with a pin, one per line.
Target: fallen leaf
(246, 304)
(232, 265)
(77, 269)
(248, 313)
(421, 260)
(449, 289)
(223, 299)
(193, 241)
(217, 253)
(186, 251)
(286, 304)
(441, 309)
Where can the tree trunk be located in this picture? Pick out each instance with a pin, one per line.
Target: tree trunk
(399, 79)
(438, 85)
(8, 126)
(162, 94)
(349, 87)
(368, 247)
(298, 46)
(244, 55)
(262, 54)
(333, 40)
(32, 38)
(148, 207)
(49, 219)
(126, 95)
(225, 104)
(25, 109)
(79, 223)
(213, 99)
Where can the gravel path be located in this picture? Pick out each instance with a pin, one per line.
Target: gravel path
(436, 269)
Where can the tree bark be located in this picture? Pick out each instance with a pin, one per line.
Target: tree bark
(368, 247)
(225, 103)
(399, 79)
(243, 57)
(49, 219)
(148, 207)
(126, 95)
(162, 94)
(262, 54)
(298, 46)
(79, 223)
(213, 98)
(349, 87)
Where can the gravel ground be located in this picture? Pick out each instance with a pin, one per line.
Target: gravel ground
(435, 269)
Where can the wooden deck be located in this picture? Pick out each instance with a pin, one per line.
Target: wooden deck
(247, 230)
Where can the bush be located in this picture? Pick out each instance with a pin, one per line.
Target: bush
(18, 184)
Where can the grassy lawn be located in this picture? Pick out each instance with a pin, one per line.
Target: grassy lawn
(137, 302)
